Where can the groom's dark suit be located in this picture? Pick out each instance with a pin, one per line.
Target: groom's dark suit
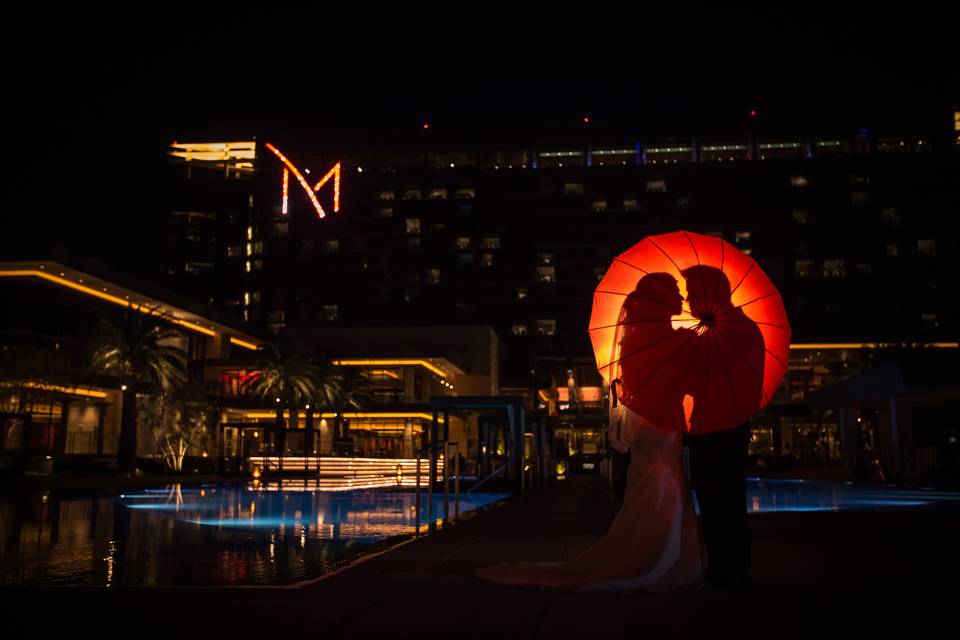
(718, 475)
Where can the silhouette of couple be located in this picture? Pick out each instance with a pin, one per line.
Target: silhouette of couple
(679, 382)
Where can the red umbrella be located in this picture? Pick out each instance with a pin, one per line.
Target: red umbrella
(689, 332)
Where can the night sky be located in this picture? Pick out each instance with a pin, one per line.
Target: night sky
(97, 95)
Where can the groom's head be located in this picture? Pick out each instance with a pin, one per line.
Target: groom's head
(708, 290)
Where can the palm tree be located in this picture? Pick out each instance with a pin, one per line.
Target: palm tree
(324, 398)
(352, 393)
(136, 348)
(286, 376)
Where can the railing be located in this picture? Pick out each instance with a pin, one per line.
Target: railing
(445, 445)
(489, 476)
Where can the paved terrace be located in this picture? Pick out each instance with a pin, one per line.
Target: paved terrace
(815, 575)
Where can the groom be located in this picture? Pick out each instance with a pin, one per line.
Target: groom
(718, 459)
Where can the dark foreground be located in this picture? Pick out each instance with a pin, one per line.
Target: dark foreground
(815, 575)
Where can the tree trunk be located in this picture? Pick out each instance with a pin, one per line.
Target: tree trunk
(127, 453)
(308, 432)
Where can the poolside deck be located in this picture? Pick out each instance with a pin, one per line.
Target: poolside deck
(815, 574)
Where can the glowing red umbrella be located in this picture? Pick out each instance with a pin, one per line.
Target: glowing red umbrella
(689, 332)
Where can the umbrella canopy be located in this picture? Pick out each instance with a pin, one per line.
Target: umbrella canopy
(689, 332)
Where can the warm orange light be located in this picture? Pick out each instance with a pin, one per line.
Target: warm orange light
(74, 391)
(335, 172)
(300, 179)
(426, 125)
(286, 190)
(350, 416)
(396, 362)
(243, 343)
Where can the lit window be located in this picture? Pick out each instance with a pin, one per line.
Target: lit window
(546, 327)
(545, 259)
(803, 268)
(490, 242)
(383, 212)
(599, 205)
(519, 328)
(927, 247)
(463, 242)
(801, 216)
(249, 233)
(257, 264)
(467, 193)
(411, 194)
(798, 182)
(486, 260)
(432, 276)
(834, 269)
(437, 194)
(234, 251)
(413, 226)
(631, 204)
(522, 293)
(247, 266)
(281, 229)
(656, 186)
(387, 195)
(546, 274)
(890, 214)
(743, 237)
(573, 188)
(251, 297)
(330, 312)
(331, 246)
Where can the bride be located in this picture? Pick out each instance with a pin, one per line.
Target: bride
(655, 542)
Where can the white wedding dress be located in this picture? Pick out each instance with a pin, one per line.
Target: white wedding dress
(654, 543)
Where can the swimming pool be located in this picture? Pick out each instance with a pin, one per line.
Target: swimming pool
(275, 535)
(204, 535)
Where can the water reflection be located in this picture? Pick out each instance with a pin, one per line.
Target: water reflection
(778, 495)
(211, 535)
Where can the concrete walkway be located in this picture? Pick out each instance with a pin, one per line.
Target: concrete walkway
(815, 575)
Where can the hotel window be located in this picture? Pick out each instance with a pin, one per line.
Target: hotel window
(251, 297)
(413, 243)
(466, 193)
(432, 276)
(388, 195)
(927, 247)
(656, 186)
(573, 188)
(864, 268)
(331, 246)
(893, 249)
(798, 182)
(330, 312)
(834, 269)
(545, 259)
(522, 293)
(519, 328)
(801, 216)
(413, 226)
(463, 242)
(383, 212)
(546, 274)
(411, 194)
(486, 260)
(931, 320)
(437, 194)
(743, 237)
(803, 268)
(234, 251)
(280, 229)
(490, 242)
(546, 327)
(464, 259)
(247, 266)
(630, 204)
(890, 214)
(599, 205)
(858, 197)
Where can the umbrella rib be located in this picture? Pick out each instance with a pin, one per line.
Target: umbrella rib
(664, 253)
(741, 306)
(756, 375)
(652, 344)
(683, 382)
(750, 321)
(716, 287)
(622, 324)
(753, 263)
(643, 271)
